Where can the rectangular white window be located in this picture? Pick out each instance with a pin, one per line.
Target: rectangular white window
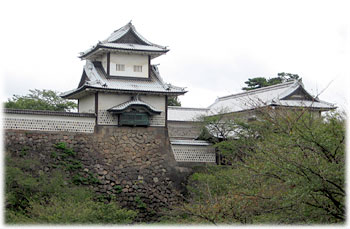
(120, 67)
(137, 68)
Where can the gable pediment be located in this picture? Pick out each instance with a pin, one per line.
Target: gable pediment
(299, 94)
(130, 38)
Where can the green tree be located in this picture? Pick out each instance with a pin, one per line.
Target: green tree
(254, 83)
(259, 82)
(174, 101)
(40, 100)
(217, 128)
(288, 76)
(292, 171)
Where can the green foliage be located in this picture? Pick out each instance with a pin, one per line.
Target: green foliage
(174, 101)
(86, 180)
(290, 170)
(24, 151)
(40, 100)
(84, 211)
(259, 82)
(139, 203)
(216, 128)
(117, 188)
(287, 76)
(34, 197)
(67, 151)
(65, 158)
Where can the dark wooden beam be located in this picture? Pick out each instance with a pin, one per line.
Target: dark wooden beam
(166, 111)
(108, 63)
(96, 107)
(149, 66)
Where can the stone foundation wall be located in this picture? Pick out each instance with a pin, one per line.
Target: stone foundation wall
(134, 164)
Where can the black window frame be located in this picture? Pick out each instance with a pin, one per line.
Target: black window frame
(134, 119)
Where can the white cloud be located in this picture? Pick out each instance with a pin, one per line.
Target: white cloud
(215, 46)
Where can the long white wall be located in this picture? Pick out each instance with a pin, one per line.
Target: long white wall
(184, 130)
(193, 153)
(48, 122)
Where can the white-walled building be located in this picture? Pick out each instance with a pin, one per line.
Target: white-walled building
(120, 85)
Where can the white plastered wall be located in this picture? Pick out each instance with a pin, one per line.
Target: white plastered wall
(49, 123)
(106, 101)
(129, 60)
(104, 62)
(184, 130)
(193, 153)
(87, 104)
(109, 100)
(157, 102)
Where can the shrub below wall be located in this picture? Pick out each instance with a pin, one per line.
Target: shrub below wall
(35, 197)
(134, 165)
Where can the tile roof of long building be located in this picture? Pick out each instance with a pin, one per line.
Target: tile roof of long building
(276, 95)
(186, 113)
(266, 96)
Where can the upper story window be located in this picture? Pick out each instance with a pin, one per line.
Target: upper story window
(137, 68)
(120, 67)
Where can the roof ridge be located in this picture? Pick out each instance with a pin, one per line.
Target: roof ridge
(118, 34)
(126, 28)
(258, 90)
(115, 36)
(187, 108)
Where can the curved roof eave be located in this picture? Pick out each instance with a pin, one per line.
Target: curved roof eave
(70, 94)
(305, 107)
(148, 107)
(99, 47)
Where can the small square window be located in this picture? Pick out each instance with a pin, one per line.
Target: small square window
(120, 67)
(137, 68)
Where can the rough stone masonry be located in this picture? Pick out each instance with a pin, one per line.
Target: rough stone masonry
(138, 161)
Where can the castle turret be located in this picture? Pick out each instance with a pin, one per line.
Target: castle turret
(117, 72)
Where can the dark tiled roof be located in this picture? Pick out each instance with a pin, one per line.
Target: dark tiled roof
(96, 78)
(42, 112)
(126, 38)
(134, 102)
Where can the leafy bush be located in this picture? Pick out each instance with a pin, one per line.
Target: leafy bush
(34, 197)
(290, 170)
(78, 207)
